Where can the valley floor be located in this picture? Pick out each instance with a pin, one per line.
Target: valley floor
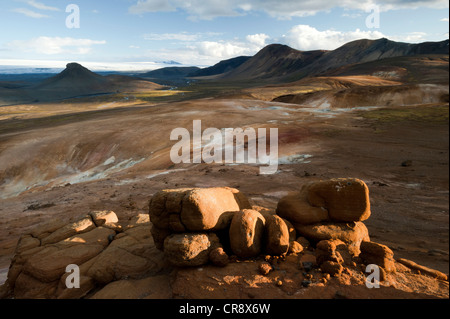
(115, 160)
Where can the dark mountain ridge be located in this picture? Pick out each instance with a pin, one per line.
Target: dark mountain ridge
(221, 67)
(273, 61)
(277, 62)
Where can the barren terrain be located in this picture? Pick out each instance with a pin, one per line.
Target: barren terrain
(118, 158)
(63, 159)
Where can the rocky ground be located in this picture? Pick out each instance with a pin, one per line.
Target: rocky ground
(124, 260)
(401, 154)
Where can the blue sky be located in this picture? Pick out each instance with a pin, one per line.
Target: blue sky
(133, 34)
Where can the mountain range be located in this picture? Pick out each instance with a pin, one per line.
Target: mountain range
(282, 63)
(221, 67)
(74, 81)
(274, 64)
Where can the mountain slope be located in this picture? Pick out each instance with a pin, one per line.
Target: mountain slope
(280, 63)
(221, 67)
(362, 51)
(170, 72)
(77, 80)
(170, 76)
(273, 61)
(429, 68)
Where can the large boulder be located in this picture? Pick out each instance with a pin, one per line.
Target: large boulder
(246, 233)
(210, 208)
(338, 200)
(295, 208)
(159, 235)
(277, 235)
(352, 234)
(189, 249)
(346, 199)
(378, 254)
(193, 210)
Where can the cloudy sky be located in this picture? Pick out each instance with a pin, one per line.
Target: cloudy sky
(132, 34)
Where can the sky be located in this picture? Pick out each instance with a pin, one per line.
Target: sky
(142, 34)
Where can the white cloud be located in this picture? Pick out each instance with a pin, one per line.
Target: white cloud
(258, 39)
(54, 45)
(444, 20)
(245, 6)
(36, 5)
(206, 53)
(411, 37)
(40, 6)
(286, 9)
(197, 9)
(30, 13)
(220, 49)
(305, 37)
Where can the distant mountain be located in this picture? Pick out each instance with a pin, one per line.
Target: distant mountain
(76, 78)
(362, 51)
(76, 81)
(171, 62)
(170, 76)
(170, 72)
(280, 63)
(273, 61)
(221, 67)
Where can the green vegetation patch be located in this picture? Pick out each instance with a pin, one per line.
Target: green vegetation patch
(157, 95)
(148, 96)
